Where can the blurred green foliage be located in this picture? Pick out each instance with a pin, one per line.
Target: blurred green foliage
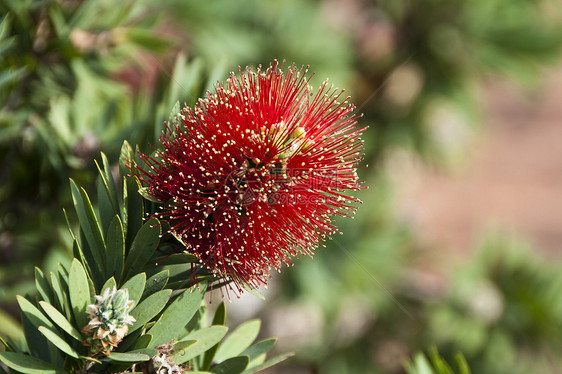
(80, 76)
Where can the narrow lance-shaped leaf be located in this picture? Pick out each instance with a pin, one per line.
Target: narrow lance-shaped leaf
(79, 291)
(238, 340)
(218, 319)
(269, 363)
(89, 225)
(60, 320)
(156, 283)
(135, 287)
(149, 308)
(27, 364)
(58, 342)
(43, 287)
(115, 242)
(133, 208)
(258, 349)
(171, 324)
(145, 243)
(109, 284)
(108, 183)
(234, 365)
(204, 338)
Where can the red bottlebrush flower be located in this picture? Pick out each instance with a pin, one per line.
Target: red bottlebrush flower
(255, 173)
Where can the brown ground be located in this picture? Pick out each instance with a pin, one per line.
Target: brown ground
(511, 180)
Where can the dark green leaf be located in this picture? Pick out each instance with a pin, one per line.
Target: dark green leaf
(145, 243)
(133, 208)
(220, 315)
(143, 191)
(58, 342)
(37, 345)
(125, 157)
(156, 283)
(79, 292)
(28, 364)
(60, 290)
(171, 324)
(90, 226)
(176, 258)
(234, 365)
(34, 315)
(115, 242)
(149, 308)
(43, 287)
(109, 185)
(135, 285)
(60, 320)
(105, 209)
(143, 341)
(219, 319)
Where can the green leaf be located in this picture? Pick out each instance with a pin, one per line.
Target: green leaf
(109, 284)
(175, 112)
(143, 341)
(171, 324)
(147, 39)
(420, 365)
(106, 212)
(238, 340)
(115, 242)
(128, 357)
(219, 319)
(79, 292)
(181, 345)
(60, 320)
(269, 363)
(220, 315)
(149, 308)
(145, 243)
(43, 287)
(109, 185)
(156, 283)
(28, 364)
(58, 342)
(135, 285)
(462, 364)
(234, 365)
(37, 345)
(133, 208)
(34, 315)
(11, 75)
(205, 338)
(176, 258)
(32, 319)
(126, 155)
(259, 348)
(61, 290)
(255, 292)
(90, 227)
(143, 191)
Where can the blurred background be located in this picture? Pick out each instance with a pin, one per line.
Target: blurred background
(456, 244)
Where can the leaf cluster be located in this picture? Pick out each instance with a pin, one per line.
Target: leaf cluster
(117, 247)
